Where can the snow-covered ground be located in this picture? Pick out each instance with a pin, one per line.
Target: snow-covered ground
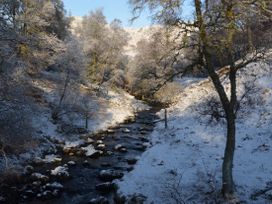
(106, 110)
(184, 163)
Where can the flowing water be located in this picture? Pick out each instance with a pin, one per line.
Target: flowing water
(81, 186)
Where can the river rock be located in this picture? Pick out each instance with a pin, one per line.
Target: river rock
(136, 199)
(105, 164)
(146, 144)
(90, 140)
(110, 131)
(39, 177)
(126, 130)
(109, 153)
(106, 187)
(99, 142)
(131, 161)
(28, 194)
(67, 150)
(90, 151)
(28, 170)
(86, 163)
(123, 149)
(143, 139)
(53, 186)
(46, 195)
(71, 163)
(52, 158)
(2, 199)
(60, 172)
(99, 200)
(110, 174)
(37, 160)
(143, 132)
(120, 148)
(36, 184)
(101, 146)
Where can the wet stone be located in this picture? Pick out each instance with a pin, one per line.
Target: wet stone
(39, 177)
(28, 170)
(86, 163)
(110, 174)
(126, 130)
(101, 147)
(71, 163)
(99, 200)
(131, 161)
(104, 164)
(106, 187)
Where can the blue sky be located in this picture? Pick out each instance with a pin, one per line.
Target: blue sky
(111, 8)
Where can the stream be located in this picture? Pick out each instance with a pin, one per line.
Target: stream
(119, 148)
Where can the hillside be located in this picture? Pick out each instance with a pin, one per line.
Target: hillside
(184, 163)
(134, 34)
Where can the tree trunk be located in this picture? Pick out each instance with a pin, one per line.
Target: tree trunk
(227, 178)
(165, 118)
(86, 122)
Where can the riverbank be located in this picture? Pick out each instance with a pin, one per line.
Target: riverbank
(85, 170)
(184, 164)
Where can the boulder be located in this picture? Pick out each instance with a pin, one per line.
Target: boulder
(60, 172)
(131, 161)
(126, 130)
(106, 187)
(110, 131)
(110, 174)
(28, 170)
(39, 177)
(99, 200)
(101, 147)
(90, 151)
(120, 148)
(71, 163)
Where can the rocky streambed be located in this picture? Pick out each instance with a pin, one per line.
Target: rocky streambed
(84, 171)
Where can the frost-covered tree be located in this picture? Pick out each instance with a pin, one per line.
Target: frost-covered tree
(157, 58)
(103, 46)
(223, 32)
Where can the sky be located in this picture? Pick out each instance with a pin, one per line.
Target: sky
(112, 9)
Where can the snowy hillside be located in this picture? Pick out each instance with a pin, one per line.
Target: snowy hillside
(184, 163)
(106, 108)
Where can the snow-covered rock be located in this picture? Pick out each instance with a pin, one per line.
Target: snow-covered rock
(52, 158)
(61, 172)
(90, 151)
(39, 176)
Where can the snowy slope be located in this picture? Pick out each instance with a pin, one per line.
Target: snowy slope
(185, 160)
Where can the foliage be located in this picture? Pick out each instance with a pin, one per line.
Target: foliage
(103, 46)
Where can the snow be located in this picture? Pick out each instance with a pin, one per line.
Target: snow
(60, 171)
(52, 158)
(73, 144)
(90, 150)
(191, 149)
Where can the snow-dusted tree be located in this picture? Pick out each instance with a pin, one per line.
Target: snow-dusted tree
(103, 45)
(222, 29)
(158, 58)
